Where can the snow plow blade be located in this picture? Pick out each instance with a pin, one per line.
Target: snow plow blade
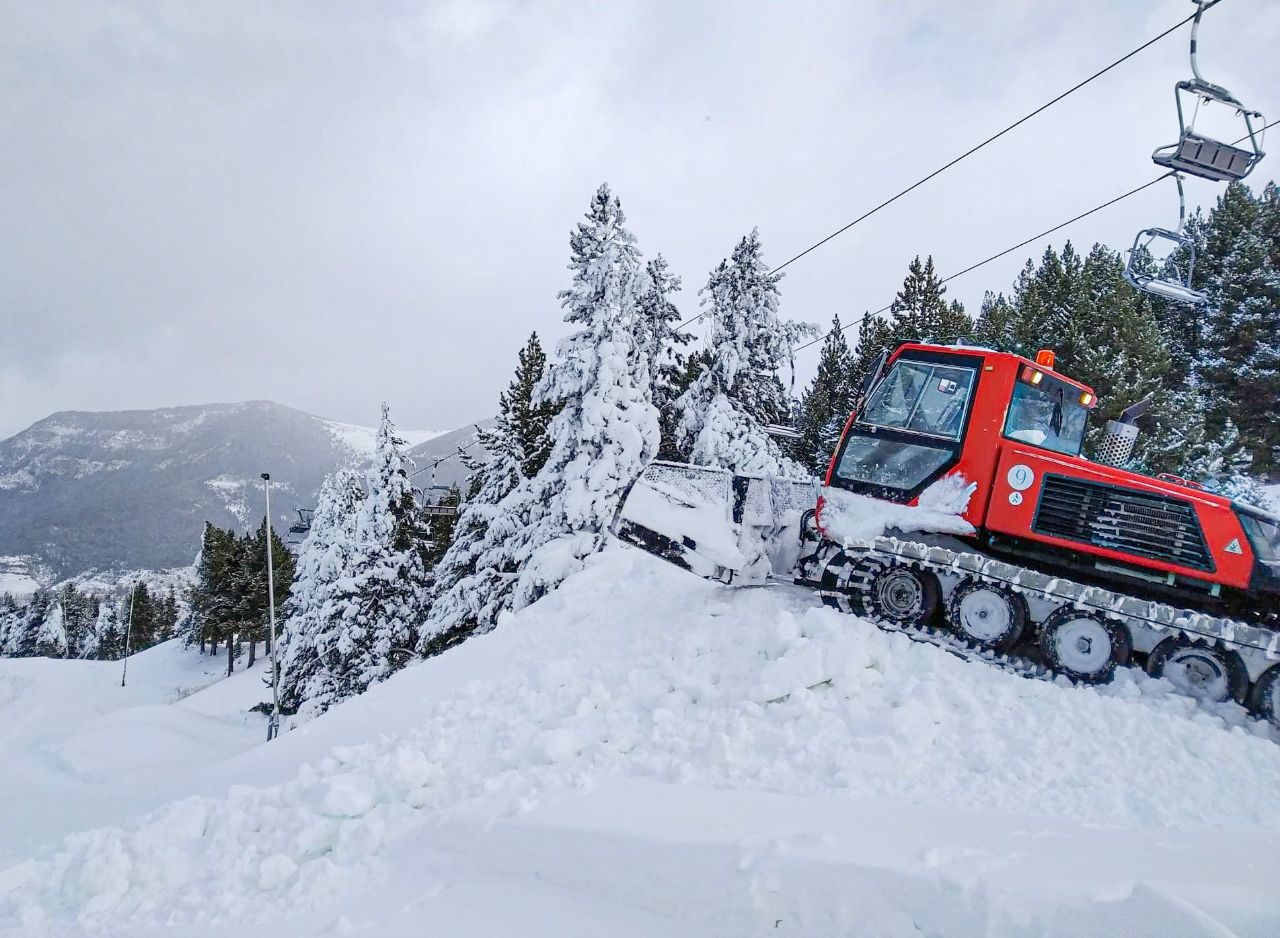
(722, 527)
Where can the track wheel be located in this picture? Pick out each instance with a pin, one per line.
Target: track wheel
(1264, 699)
(840, 578)
(1202, 671)
(1084, 647)
(905, 597)
(987, 615)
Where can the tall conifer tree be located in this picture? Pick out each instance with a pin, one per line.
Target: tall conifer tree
(724, 412)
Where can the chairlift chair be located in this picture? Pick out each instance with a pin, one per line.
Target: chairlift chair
(1203, 156)
(431, 502)
(1177, 288)
(1200, 155)
(303, 524)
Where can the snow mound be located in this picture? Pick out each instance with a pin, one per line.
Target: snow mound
(635, 674)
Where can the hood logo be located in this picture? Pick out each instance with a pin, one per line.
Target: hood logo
(1234, 547)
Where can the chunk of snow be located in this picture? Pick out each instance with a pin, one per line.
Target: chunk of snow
(849, 518)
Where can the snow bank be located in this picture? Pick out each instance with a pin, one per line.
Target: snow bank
(635, 672)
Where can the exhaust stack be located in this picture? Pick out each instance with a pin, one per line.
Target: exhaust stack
(1117, 442)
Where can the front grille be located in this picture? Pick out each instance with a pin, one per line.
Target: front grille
(1142, 524)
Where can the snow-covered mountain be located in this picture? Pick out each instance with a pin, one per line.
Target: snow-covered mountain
(132, 489)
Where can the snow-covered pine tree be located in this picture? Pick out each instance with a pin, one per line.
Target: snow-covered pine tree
(1240, 367)
(724, 412)
(311, 625)
(51, 636)
(920, 311)
(665, 349)
(994, 327)
(142, 617)
(526, 419)
(461, 593)
(605, 431)
(381, 599)
(10, 616)
(105, 639)
(215, 598)
(78, 612)
(251, 585)
(1114, 341)
(826, 403)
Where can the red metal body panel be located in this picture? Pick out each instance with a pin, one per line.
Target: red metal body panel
(987, 459)
(1217, 519)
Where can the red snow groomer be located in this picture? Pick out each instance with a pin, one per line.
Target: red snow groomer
(957, 507)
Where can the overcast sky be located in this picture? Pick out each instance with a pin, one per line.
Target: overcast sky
(332, 204)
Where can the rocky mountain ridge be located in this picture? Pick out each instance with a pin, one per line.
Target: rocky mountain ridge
(132, 489)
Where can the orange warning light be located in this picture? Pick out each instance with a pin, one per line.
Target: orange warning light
(1044, 358)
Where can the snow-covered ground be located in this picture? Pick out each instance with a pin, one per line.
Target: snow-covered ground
(18, 585)
(16, 577)
(77, 750)
(641, 753)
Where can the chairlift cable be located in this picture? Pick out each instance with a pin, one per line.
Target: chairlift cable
(456, 453)
(1201, 8)
(997, 256)
(1021, 244)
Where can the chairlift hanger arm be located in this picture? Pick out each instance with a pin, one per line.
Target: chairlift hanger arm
(1201, 6)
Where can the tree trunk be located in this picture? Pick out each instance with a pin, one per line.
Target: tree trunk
(253, 651)
(231, 655)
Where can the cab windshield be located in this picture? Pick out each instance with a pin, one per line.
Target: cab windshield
(1047, 414)
(922, 397)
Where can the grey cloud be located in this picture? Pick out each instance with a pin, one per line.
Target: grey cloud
(331, 204)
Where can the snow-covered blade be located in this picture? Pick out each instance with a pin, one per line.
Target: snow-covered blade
(721, 526)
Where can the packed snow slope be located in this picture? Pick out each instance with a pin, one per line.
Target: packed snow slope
(643, 753)
(78, 750)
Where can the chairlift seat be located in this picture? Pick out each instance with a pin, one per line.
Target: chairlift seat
(1209, 159)
(1177, 291)
(1203, 156)
(1169, 289)
(439, 511)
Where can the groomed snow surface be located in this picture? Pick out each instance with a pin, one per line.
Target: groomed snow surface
(643, 754)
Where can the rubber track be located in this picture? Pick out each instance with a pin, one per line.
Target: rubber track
(944, 639)
(1116, 606)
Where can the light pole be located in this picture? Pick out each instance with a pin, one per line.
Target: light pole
(128, 631)
(273, 724)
